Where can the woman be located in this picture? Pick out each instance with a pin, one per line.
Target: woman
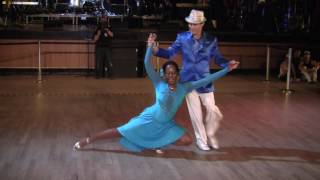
(155, 128)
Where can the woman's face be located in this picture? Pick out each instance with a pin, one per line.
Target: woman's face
(171, 75)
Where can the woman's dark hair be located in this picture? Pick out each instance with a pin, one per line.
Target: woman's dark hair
(167, 63)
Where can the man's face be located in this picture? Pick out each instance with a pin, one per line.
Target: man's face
(307, 57)
(195, 29)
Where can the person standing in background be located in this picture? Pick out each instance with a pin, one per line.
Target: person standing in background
(103, 40)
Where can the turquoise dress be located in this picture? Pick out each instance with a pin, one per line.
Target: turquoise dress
(154, 127)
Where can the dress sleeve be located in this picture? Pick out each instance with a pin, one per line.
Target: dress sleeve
(153, 75)
(204, 81)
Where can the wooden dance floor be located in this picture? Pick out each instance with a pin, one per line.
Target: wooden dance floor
(264, 135)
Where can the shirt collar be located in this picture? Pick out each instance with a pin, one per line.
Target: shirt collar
(203, 36)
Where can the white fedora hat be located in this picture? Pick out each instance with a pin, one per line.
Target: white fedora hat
(196, 17)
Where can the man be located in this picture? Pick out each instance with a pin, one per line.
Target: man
(102, 37)
(198, 49)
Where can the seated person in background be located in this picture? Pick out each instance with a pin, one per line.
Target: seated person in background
(284, 69)
(308, 68)
(317, 66)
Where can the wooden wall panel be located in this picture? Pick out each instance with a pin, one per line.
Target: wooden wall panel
(69, 55)
(54, 54)
(250, 57)
(79, 54)
(18, 54)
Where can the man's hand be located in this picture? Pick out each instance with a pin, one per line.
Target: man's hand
(233, 64)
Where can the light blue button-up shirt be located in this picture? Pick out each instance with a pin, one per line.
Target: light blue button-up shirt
(196, 57)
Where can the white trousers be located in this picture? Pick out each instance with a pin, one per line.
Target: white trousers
(204, 128)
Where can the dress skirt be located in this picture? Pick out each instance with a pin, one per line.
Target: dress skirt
(146, 132)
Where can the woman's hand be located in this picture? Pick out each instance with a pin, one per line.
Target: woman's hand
(152, 39)
(233, 64)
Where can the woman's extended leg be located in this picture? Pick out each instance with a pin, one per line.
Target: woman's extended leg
(106, 134)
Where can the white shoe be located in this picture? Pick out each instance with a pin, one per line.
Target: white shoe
(76, 146)
(213, 142)
(159, 151)
(202, 146)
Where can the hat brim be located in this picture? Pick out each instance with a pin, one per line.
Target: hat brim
(189, 20)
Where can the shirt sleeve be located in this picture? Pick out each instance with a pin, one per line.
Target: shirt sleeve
(218, 58)
(204, 81)
(152, 74)
(170, 51)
